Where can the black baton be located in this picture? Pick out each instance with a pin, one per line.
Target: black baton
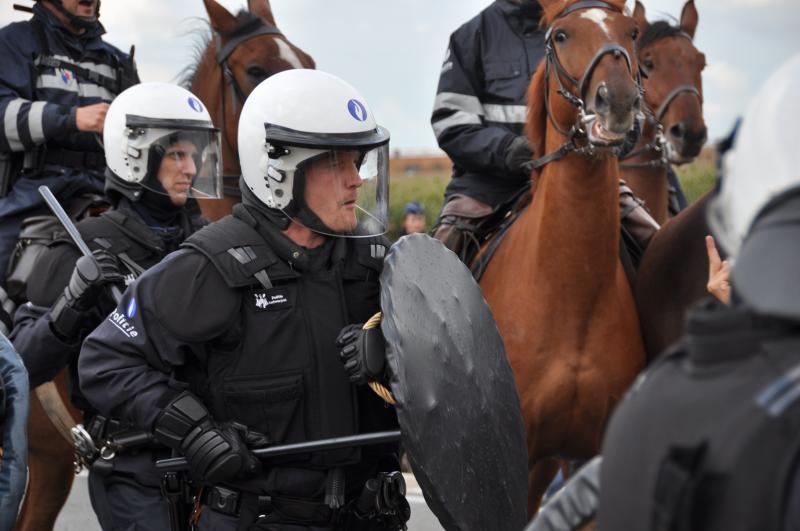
(62, 216)
(379, 437)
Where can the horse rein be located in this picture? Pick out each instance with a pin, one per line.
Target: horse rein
(659, 142)
(253, 29)
(578, 130)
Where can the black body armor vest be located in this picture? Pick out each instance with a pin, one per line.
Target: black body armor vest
(708, 438)
(278, 370)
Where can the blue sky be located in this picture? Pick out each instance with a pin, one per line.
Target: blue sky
(392, 50)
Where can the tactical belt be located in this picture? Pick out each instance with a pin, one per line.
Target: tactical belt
(229, 502)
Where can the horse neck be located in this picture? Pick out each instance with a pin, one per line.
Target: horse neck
(208, 85)
(650, 182)
(574, 222)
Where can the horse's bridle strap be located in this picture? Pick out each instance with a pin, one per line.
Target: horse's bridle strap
(674, 93)
(233, 43)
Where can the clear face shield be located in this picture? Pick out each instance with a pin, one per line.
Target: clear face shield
(181, 162)
(347, 190)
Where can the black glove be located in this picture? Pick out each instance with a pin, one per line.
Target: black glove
(80, 297)
(363, 353)
(215, 452)
(519, 156)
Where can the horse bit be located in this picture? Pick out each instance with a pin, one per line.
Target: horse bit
(553, 63)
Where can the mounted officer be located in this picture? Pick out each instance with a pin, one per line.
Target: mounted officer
(230, 343)
(479, 118)
(162, 152)
(57, 78)
(707, 438)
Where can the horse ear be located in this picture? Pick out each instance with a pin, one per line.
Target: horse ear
(639, 15)
(262, 9)
(221, 19)
(689, 18)
(536, 124)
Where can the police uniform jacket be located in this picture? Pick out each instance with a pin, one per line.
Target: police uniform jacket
(247, 320)
(38, 101)
(123, 233)
(481, 100)
(708, 437)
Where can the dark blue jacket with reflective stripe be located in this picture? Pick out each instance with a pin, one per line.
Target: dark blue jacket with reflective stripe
(37, 105)
(481, 100)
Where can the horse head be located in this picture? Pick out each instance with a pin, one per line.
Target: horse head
(672, 67)
(244, 50)
(587, 85)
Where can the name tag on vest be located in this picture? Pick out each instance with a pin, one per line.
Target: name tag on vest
(270, 300)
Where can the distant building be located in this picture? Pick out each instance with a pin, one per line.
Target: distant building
(403, 166)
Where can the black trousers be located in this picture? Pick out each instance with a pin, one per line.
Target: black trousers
(123, 504)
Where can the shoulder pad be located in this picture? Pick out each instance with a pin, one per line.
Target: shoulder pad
(369, 253)
(225, 240)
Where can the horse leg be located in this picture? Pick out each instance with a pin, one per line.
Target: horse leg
(50, 468)
(539, 478)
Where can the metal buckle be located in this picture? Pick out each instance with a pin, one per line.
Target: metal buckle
(85, 452)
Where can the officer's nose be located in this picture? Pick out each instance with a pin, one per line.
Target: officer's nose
(189, 167)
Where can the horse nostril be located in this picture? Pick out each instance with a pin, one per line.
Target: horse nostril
(678, 131)
(601, 104)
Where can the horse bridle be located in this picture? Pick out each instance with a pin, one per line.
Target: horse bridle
(250, 30)
(659, 143)
(578, 129)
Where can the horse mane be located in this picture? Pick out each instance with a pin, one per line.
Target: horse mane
(655, 31)
(536, 124)
(201, 37)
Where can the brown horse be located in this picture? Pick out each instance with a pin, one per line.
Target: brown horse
(556, 285)
(246, 49)
(674, 130)
(253, 49)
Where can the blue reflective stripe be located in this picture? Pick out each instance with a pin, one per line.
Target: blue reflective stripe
(780, 393)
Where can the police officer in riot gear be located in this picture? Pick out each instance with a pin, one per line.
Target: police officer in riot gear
(707, 438)
(230, 343)
(162, 151)
(57, 78)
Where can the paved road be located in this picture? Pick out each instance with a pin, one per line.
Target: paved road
(78, 516)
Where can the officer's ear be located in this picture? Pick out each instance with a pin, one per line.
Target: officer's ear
(221, 19)
(262, 9)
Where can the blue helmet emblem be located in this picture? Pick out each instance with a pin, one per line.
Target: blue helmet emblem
(131, 309)
(195, 104)
(357, 110)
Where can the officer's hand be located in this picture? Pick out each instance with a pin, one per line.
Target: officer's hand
(219, 453)
(215, 452)
(91, 274)
(91, 118)
(363, 353)
(719, 273)
(518, 156)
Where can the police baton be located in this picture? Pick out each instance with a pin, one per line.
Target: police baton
(179, 463)
(62, 216)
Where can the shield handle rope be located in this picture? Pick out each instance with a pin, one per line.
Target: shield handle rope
(379, 389)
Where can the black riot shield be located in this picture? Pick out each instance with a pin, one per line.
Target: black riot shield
(457, 402)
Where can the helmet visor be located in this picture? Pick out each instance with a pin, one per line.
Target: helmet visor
(347, 190)
(184, 163)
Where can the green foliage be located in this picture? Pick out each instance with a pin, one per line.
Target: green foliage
(696, 178)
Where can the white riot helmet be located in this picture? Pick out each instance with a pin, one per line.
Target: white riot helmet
(302, 131)
(756, 214)
(149, 121)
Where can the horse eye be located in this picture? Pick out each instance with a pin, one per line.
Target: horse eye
(561, 36)
(635, 34)
(648, 64)
(256, 72)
